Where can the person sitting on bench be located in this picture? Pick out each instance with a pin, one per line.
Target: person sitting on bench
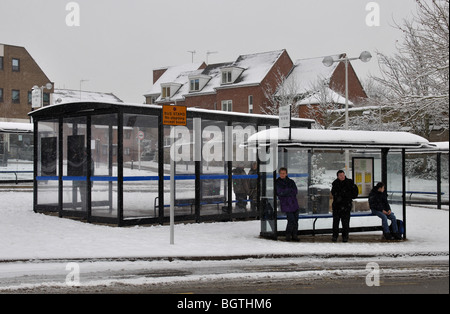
(379, 205)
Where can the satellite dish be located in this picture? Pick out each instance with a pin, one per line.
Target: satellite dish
(48, 86)
(328, 61)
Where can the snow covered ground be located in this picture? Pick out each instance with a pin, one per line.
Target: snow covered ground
(26, 235)
(36, 249)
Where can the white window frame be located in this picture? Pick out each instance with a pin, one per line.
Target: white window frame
(165, 93)
(227, 105)
(227, 77)
(194, 85)
(250, 103)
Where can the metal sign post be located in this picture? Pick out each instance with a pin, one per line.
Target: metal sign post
(284, 115)
(172, 186)
(173, 115)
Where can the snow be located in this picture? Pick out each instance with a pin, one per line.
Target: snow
(15, 127)
(340, 138)
(26, 235)
(61, 96)
(307, 73)
(318, 98)
(173, 74)
(255, 68)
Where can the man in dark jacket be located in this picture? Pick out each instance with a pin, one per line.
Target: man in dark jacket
(240, 187)
(343, 191)
(380, 206)
(287, 194)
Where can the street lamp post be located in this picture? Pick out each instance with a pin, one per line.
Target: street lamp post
(37, 95)
(365, 56)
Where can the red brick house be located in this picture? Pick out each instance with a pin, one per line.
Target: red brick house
(313, 83)
(237, 86)
(248, 83)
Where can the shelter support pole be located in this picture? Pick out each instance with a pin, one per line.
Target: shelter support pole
(120, 168)
(384, 153)
(404, 189)
(438, 180)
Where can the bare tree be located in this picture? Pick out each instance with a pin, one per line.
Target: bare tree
(283, 93)
(323, 106)
(416, 78)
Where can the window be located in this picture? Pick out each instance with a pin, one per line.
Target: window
(15, 65)
(250, 104)
(166, 92)
(195, 85)
(1, 94)
(1, 63)
(227, 105)
(226, 77)
(15, 96)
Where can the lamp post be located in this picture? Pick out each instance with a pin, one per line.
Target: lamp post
(37, 95)
(365, 56)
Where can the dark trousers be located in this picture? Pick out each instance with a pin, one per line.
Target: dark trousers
(241, 201)
(292, 223)
(344, 217)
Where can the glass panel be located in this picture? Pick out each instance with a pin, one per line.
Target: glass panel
(268, 164)
(140, 162)
(184, 170)
(104, 171)
(421, 178)
(47, 163)
(394, 184)
(214, 173)
(74, 164)
(244, 173)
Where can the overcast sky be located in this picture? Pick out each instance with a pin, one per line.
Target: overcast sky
(119, 42)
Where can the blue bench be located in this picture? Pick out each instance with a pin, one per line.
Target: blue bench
(330, 215)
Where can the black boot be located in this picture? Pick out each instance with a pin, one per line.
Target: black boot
(387, 236)
(398, 236)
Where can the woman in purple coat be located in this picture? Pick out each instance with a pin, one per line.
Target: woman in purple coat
(287, 194)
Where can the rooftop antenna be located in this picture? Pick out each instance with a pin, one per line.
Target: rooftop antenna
(209, 53)
(192, 52)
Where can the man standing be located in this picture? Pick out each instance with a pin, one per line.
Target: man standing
(287, 194)
(343, 191)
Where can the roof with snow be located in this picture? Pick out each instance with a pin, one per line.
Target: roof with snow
(173, 74)
(306, 74)
(15, 127)
(340, 139)
(61, 96)
(326, 95)
(254, 69)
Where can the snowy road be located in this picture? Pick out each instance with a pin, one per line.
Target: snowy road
(216, 276)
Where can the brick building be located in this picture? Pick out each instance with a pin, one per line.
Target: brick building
(237, 86)
(19, 72)
(251, 83)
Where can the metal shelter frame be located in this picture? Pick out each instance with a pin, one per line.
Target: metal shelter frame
(108, 193)
(281, 140)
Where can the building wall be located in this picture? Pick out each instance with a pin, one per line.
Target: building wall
(28, 75)
(337, 83)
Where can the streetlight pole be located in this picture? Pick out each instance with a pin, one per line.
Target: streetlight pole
(365, 56)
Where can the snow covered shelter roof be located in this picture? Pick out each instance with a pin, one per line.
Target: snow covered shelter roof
(341, 139)
(16, 127)
(69, 95)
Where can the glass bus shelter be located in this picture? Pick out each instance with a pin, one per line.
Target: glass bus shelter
(313, 157)
(110, 163)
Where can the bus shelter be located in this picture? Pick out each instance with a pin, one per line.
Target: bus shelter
(313, 157)
(16, 152)
(110, 163)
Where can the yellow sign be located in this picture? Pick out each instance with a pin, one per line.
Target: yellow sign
(174, 115)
